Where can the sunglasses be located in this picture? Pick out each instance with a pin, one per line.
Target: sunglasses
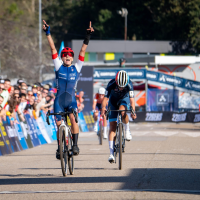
(30, 95)
(65, 54)
(16, 97)
(45, 92)
(1, 88)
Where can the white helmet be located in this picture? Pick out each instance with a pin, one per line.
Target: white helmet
(122, 78)
(102, 90)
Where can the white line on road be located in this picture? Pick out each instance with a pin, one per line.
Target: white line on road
(122, 190)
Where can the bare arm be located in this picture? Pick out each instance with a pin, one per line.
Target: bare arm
(132, 102)
(103, 105)
(50, 39)
(94, 105)
(85, 43)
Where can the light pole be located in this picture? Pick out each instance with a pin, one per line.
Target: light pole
(40, 41)
(124, 12)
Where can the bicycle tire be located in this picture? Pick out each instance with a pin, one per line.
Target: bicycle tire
(63, 150)
(70, 153)
(123, 140)
(120, 146)
(101, 133)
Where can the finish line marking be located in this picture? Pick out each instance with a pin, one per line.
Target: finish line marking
(84, 191)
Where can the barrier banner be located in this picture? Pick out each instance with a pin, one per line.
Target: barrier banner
(43, 129)
(89, 120)
(48, 128)
(32, 130)
(2, 145)
(20, 134)
(188, 117)
(39, 133)
(82, 123)
(8, 148)
(27, 137)
(14, 141)
(52, 126)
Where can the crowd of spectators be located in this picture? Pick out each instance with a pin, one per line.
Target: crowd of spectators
(22, 98)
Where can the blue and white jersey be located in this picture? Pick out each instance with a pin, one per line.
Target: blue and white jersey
(67, 77)
(115, 94)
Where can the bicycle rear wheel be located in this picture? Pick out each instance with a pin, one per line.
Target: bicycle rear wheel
(120, 146)
(70, 153)
(63, 150)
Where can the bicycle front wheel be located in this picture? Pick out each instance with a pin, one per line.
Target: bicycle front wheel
(70, 153)
(63, 150)
(120, 146)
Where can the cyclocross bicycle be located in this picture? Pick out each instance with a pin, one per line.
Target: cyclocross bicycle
(65, 141)
(120, 136)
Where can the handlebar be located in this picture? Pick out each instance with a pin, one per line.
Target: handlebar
(63, 114)
(131, 110)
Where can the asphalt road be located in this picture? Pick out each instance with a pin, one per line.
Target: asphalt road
(161, 162)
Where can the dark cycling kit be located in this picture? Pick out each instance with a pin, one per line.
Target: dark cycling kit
(118, 97)
(66, 81)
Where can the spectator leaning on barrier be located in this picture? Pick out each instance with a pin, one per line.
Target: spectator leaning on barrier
(5, 93)
(12, 106)
(30, 105)
(45, 92)
(23, 102)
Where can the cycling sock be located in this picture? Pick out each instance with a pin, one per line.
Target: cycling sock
(75, 139)
(111, 147)
(105, 129)
(126, 126)
(95, 123)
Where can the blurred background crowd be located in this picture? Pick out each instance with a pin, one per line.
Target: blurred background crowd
(22, 98)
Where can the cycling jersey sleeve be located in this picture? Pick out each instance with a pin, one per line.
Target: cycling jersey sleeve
(79, 63)
(95, 97)
(110, 86)
(130, 89)
(56, 61)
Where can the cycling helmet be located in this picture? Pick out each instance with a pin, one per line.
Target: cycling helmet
(67, 50)
(122, 78)
(102, 91)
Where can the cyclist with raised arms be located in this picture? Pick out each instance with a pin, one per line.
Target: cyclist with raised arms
(120, 93)
(96, 108)
(66, 79)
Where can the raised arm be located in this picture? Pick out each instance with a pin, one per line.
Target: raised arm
(89, 31)
(46, 29)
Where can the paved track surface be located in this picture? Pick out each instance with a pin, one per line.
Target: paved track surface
(161, 162)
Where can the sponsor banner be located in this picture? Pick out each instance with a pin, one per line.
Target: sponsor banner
(82, 123)
(85, 84)
(43, 129)
(20, 133)
(111, 73)
(52, 126)
(47, 127)
(89, 120)
(32, 131)
(3, 148)
(157, 77)
(14, 141)
(39, 133)
(189, 117)
(6, 139)
(27, 136)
